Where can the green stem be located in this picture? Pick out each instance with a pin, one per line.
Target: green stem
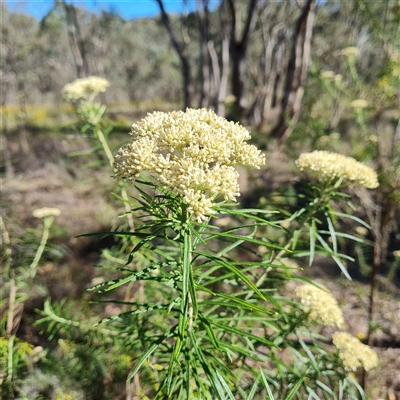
(10, 358)
(110, 157)
(353, 70)
(361, 122)
(46, 228)
(106, 148)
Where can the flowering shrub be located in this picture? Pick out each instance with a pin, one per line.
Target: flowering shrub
(208, 319)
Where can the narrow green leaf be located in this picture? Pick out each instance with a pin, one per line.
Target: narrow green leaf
(246, 239)
(312, 394)
(266, 385)
(193, 295)
(147, 354)
(332, 233)
(210, 333)
(295, 388)
(236, 302)
(310, 355)
(345, 235)
(312, 242)
(295, 238)
(342, 267)
(207, 367)
(229, 248)
(243, 333)
(170, 374)
(326, 388)
(253, 389)
(224, 385)
(236, 272)
(343, 215)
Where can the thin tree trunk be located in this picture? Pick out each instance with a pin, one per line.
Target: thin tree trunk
(297, 72)
(187, 86)
(220, 75)
(205, 82)
(272, 60)
(238, 47)
(76, 41)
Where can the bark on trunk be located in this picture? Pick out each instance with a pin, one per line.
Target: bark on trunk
(205, 75)
(238, 47)
(297, 71)
(220, 74)
(185, 67)
(76, 41)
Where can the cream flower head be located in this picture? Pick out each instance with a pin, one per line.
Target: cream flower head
(192, 154)
(46, 212)
(359, 103)
(338, 78)
(327, 74)
(332, 166)
(350, 51)
(353, 353)
(322, 306)
(81, 88)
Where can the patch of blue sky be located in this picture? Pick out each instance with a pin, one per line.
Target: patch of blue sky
(127, 9)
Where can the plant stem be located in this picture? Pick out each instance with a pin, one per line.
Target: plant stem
(106, 148)
(110, 157)
(46, 228)
(11, 307)
(10, 358)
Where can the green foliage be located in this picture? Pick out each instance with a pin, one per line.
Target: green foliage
(210, 311)
(201, 310)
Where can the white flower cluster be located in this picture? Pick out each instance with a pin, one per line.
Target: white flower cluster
(353, 353)
(332, 166)
(46, 212)
(191, 154)
(322, 306)
(359, 103)
(80, 88)
(350, 52)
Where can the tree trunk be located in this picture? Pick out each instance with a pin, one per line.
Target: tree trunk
(185, 66)
(205, 75)
(76, 42)
(272, 62)
(297, 72)
(238, 47)
(220, 73)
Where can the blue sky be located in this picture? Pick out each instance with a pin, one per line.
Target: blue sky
(126, 8)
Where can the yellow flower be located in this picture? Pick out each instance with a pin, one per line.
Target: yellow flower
(353, 353)
(338, 78)
(332, 166)
(322, 306)
(373, 138)
(327, 74)
(192, 154)
(350, 51)
(46, 212)
(80, 88)
(362, 231)
(359, 103)
(335, 135)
